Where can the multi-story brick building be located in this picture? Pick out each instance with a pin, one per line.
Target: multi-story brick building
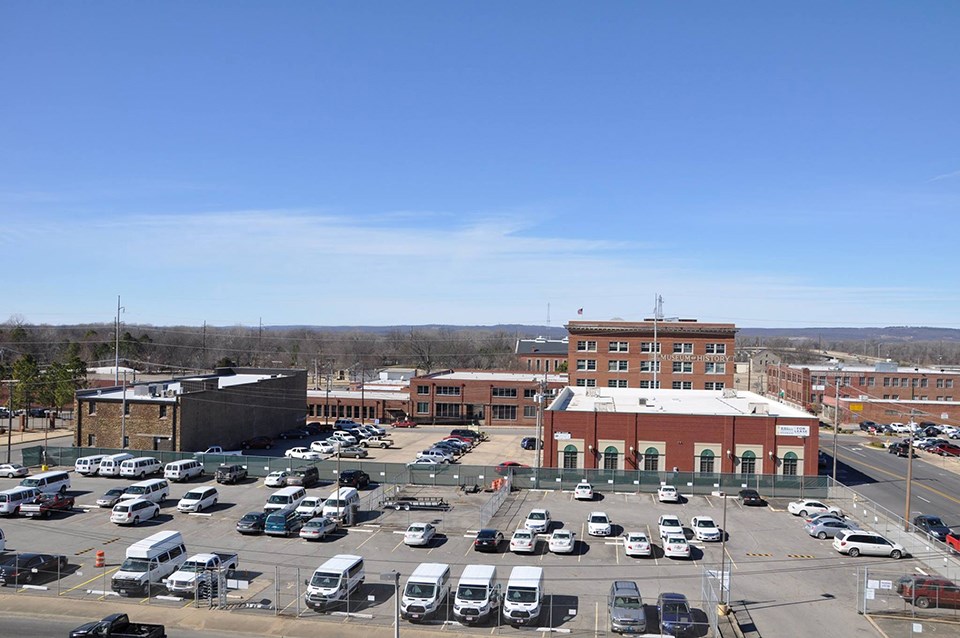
(698, 431)
(192, 413)
(677, 355)
(542, 354)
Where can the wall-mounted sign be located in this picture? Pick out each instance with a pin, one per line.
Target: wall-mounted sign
(793, 430)
(561, 436)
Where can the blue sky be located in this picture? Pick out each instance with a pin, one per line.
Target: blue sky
(343, 163)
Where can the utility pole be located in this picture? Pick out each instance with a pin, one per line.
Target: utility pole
(116, 350)
(123, 414)
(363, 378)
(537, 444)
(836, 423)
(906, 512)
(657, 309)
(10, 418)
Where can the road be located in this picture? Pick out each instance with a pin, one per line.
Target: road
(27, 626)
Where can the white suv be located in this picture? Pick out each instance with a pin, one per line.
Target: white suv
(854, 542)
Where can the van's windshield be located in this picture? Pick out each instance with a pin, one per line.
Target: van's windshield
(3, 498)
(136, 489)
(278, 499)
(471, 592)
(325, 580)
(522, 594)
(419, 590)
(193, 496)
(30, 482)
(335, 502)
(135, 565)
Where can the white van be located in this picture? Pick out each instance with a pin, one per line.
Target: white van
(133, 511)
(524, 598)
(88, 465)
(140, 467)
(478, 594)
(198, 498)
(110, 465)
(48, 482)
(425, 591)
(286, 497)
(3, 542)
(12, 499)
(334, 581)
(183, 470)
(342, 504)
(153, 490)
(149, 561)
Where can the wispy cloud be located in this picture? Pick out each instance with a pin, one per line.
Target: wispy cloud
(952, 175)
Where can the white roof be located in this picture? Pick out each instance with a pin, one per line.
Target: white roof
(383, 395)
(482, 375)
(642, 401)
(174, 385)
(871, 369)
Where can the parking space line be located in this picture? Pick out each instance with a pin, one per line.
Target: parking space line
(730, 558)
(653, 553)
(97, 577)
(397, 546)
(582, 526)
(367, 539)
(707, 499)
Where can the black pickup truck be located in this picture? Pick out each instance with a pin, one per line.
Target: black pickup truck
(118, 626)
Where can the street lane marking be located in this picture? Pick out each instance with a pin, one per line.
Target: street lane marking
(897, 476)
(923, 499)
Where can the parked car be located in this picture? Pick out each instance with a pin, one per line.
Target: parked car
(825, 528)
(353, 452)
(11, 470)
(487, 540)
(354, 478)
(704, 529)
(318, 528)
(868, 426)
(344, 438)
(404, 423)
(529, 443)
(583, 491)
(562, 541)
(676, 546)
(252, 523)
(421, 463)
(929, 591)
(25, 567)
(750, 497)
(824, 516)
(932, 526)
(508, 467)
(625, 608)
(419, 534)
(599, 524)
(946, 449)
(856, 542)
(310, 507)
(257, 443)
(44, 505)
(637, 544)
(668, 494)
(277, 479)
(810, 506)
(304, 453)
(523, 541)
(675, 616)
(294, 433)
(901, 449)
(538, 521)
(669, 524)
(230, 474)
(328, 446)
(110, 497)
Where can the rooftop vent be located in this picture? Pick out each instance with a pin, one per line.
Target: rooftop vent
(729, 393)
(758, 408)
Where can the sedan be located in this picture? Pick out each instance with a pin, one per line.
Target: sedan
(583, 491)
(423, 463)
(353, 452)
(637, 544)
(704, 529)
(807, 506)
(344, 438)
(487, 540)
(252, 523)
(824, 516)
(668, 494)
(25, 567)
(277, 479)
(669, 524)
(294, 433)
(946, 449)
(11, 470)
(110, 497)
(328, 446)
(538, 521)
(750, 497)
(827, 528)
(404, 423)
(508, 467)
(676, 546)
(523, 541)
(257, 443)
(528, 443)
(317, 528)
(562, 541)
(599, 524)
(419, 534)
(310, 507)
(304, 453)
(676, 618)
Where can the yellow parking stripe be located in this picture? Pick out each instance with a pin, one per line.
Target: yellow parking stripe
(97, 577)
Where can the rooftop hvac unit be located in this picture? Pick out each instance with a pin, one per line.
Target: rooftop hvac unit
(170, 393)
(759, 408)
(140, 390)
(729, 393)
(154, 391)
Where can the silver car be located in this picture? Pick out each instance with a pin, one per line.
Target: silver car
(825, 528)
(625, 607)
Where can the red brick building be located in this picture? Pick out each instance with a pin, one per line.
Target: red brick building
(677, 354)
(698, 431)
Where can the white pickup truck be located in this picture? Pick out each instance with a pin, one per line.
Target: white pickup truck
(202, 566)
(216, 449)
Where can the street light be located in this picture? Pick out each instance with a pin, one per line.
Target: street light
(836, 423)
(394, 577)
(906, 511)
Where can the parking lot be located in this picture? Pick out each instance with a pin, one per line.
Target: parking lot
(774, 565)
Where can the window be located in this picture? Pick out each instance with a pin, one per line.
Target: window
(586, 346)
(163, 411)
(939, 383)
(904, 382)
(648, 366)
(895, 397)
(648, 346)
(748, 463)
(92, 407)
(423, 407)
(895, 382)
(886, 382)
(682, 385)
(570, 457)
(716, 368)
(923, 383)
(529, 393)
(423, 389)
(716, 348)
(948, 383)
(617, 365)
(886, 396)
(503, 412)
(790, 464)
(92, 440)
(529, 411)
(618, 346)
(448, 390)
(610, 456)
(651, 460)
(682, 348)
(617, 383)
(586, 364)
(716, 385)
(648, 385)
(683, 367)
(505, 392)
(448, 409)
(924, 397)
(706, 462)
(871, 381)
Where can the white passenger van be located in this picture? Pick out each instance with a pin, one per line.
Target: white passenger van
(425, 591)
(334, 581)
(286, 497)
(198, 498)
(478, 594)
(149, 561)
(343, 504)
(183, 470)
(110, 465)
(88, 465)
(523, 601)
(12, 499)
(154, 490)
(140, 467)
(48, 482)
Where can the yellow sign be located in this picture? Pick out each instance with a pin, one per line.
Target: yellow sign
(856, 407)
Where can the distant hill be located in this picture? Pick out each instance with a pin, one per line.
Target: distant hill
(889, 333)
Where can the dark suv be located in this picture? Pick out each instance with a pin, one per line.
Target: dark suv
(307, 476)
(354, 478)
(231, 473)
(932, 526)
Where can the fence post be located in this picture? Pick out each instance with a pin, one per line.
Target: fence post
(276, 590)
(298, 592)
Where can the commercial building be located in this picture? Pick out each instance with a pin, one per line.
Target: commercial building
(542, 354)
(695, 431)
(681, 354)
(192, 413)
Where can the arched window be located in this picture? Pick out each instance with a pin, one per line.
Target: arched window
(651, 460)
(706, 462)
(790, 462)
(570, 457)
(610, 458)
(748, 463)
